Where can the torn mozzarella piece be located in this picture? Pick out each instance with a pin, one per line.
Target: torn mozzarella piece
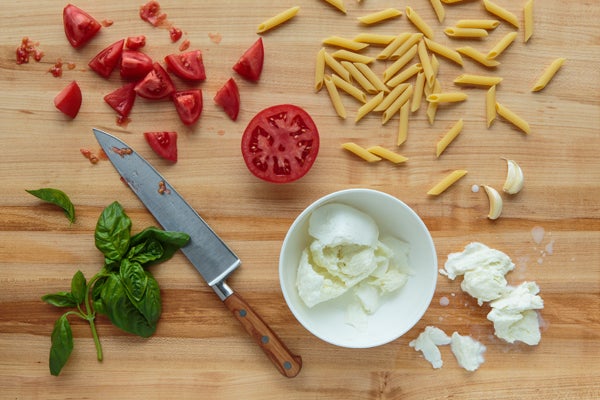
(484, 284)
(337, 224)
(427, 343)
(468, 351)
(475, 256)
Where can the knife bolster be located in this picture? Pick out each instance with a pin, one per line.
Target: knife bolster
(222, 290)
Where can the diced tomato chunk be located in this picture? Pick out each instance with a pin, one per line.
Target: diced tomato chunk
(68, 100)
(188, 104)
(228, 97)
(122, 99)
(105, 62)
(80, 27)
(188, 66)
(250, 65)
(163, 143)
(156, 84)
(135, 64)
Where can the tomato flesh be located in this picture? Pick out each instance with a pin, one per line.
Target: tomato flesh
(188, 66)
(250, 65)
(188, 104)
(134, 65)
(151, 13)
(228, 97)
(80, 27)
(68, 100)
(135, 42)
(156, 84)
(163, 143)
(280, 144)
(122, 99)
(105, 62)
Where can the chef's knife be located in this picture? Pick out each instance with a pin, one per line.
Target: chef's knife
(206, 251)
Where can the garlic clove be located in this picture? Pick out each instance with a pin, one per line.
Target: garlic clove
(514, 178)
(495, 202)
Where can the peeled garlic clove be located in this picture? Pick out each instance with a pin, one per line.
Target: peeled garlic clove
(495, 202)
(514, 178)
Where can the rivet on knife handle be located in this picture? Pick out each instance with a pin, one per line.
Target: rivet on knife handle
(286, 362)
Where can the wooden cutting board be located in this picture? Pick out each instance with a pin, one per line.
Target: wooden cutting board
(551, 229)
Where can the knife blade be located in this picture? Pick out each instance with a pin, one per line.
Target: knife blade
(213, 259)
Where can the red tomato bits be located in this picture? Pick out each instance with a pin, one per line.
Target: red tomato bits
(280, 144)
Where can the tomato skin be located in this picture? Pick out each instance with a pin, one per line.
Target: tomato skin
(280, 144)
(135, 64)
(68, 100)
(164, 144)
(250, 64)
(135, 42)
(105, 62)
(80, 27)
(228, 97)
(122, 99)
(188, 104)
(188, 66)
(156, 84)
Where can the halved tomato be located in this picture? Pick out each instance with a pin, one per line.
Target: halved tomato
(156, 85)
(280, 144)
(250, 65)
(135, 64)
(135, 42)
(122, 99)
(105, 62)
(187, 66)
(188, 104)
(80, 27)
(68, 100)
(228, 97)
(163, 143)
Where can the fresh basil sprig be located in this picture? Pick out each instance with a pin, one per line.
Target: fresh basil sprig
(56, 197)
(124, 290)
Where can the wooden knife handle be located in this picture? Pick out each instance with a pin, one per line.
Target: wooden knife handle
(286, 362)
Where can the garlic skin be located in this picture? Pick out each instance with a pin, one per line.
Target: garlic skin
(495, 202)
(514, 178)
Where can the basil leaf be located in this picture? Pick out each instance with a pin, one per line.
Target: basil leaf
(60, 299)
(134, 279)
(113, 232)
(170, 242)
(78, 287)
(145, 253)
(62, 345)
(56, 197)
(97, 295)
(150, 305)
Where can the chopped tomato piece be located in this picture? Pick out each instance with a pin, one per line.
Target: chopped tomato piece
(80, 27)
(135, 64)
(156, 85)
(105, 62)
(122, 99)
(187, 66)
(151, 13)
(68, 100)
(250, 65)
(188, 104)
(135, 42)
(175, 34)
(228, 97)
(163, 143)
(280, 144)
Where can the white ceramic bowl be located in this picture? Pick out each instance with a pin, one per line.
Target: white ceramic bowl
(398, 312)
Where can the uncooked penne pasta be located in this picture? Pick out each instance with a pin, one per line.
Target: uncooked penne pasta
(418, 22)
(490, 106)
(477, 80)
(447, 97)
(448, 137)
(360, 151)
(455, 32)
(425, 62)
(393, 46)
(379, 16)
(478, 56)
(387, 154)
(448, 181)
(348, 44)
(336, 66)
(403, 126)
(431, 106)
(548, 74)
(410, 42)
(528, 20)
(435, 66)
(405, 75)
(513, 118)
(359, 77)
(439, 10)
(454, 1)
(368, 106)
(374, 38)
(501, 45)
(278, 19)
(501, 13)
(349, 88)
(339, 4)
(352, 56)
(320, 69)
(390, 97)
(478, 23)
(444, 51)
(415, 103)
(335, 98)
(372, 77)
(404, 98)
(400, 63)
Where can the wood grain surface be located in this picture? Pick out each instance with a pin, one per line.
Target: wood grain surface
(199, 350)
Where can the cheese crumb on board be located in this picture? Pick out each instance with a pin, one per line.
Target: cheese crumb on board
(468, 351)
(427, 343)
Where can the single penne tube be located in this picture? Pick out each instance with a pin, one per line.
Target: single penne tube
(379, 16)
(400, 63)
(348, 44)
(410, 42)
(352, 56)
(372, 77)
(403, 126)
(478, 56)
(368, 106)
(432, 107)
(477, 80)
(417, 99)
(478, 23)
(320, 70)
(393, 109)
(438, 8)
(393, 46)
(490, 106)
(391, 96)
(425, 62)
(528, 20)
(387, 154)
(435, 66)
(359, 77)
(453, 31)
(513, 118)
(278, 19)
(454, 1)
(335, 98)
(374, 38)
(339, 4)
(501, 45)
(405, 75)
(447, 97)
(349, 88)
(501, 13)
(448, 181)
(444, 51)
(360, 151)
(548, 74)
(448, 137)
(336, 66)
(419, 22)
